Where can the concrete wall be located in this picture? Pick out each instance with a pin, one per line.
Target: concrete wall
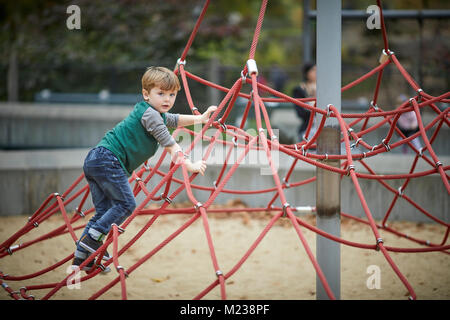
(25, 126)
(28, 177)
(288, 122)
(44, 126)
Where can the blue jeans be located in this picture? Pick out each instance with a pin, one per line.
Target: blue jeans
(110, 191)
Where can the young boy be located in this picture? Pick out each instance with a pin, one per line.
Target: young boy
(124, 148)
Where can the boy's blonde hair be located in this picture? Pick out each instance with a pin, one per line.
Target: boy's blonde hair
(160, 77)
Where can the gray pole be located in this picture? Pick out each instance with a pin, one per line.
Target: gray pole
(393, 14)
(328, 190)
(306, 35)
(214, 95)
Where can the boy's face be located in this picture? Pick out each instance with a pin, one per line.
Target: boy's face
(161, 100)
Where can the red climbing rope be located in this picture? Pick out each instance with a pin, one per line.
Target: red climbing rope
(244, 143)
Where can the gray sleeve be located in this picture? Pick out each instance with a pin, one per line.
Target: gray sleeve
(153, 122)
(172, 120)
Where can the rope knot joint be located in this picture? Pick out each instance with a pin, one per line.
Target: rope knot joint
(252, 67)
(386, 146)
(350, 167)
(121, 230)
(118, 268)
(198, 205)
(379, 240)
(285, 206)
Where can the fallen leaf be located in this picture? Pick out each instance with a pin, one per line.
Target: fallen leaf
(160, 279)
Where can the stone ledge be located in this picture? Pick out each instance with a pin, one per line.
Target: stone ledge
(28, 177)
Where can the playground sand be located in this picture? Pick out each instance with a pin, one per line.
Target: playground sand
(278, 268)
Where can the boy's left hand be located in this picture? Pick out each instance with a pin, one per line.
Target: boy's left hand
(196, 167)
(207, 114)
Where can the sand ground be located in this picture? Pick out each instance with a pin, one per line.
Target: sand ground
(279, 268)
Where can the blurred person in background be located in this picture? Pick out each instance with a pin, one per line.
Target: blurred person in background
(306, 89)
(407, 123)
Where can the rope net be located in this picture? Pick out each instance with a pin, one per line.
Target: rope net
(243, 142)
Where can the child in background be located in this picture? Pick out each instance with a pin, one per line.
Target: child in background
(407, 123)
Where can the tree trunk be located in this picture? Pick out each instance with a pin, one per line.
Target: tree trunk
(13, 76)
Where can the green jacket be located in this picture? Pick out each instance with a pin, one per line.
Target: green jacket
(136, 138)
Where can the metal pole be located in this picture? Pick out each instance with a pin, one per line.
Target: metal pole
(306, 34)
(420, 71)
(328, 190)
(393, 14)
(214, 76)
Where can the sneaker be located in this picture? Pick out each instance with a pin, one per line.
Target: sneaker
(92, 245)
(76, 263)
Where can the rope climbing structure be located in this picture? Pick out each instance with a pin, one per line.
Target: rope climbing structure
(265, 140)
